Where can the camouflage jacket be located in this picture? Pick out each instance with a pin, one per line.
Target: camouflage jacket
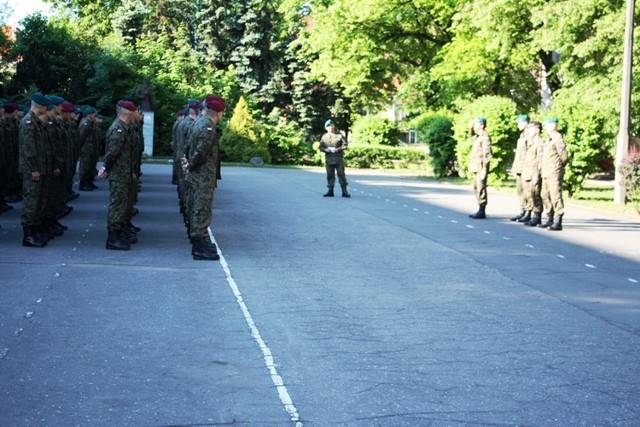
(481, 152)
(531, 166)
(119, 159)
(521, 150)
(35, 155)
(554, 156)
(203, 151)
(332, 140)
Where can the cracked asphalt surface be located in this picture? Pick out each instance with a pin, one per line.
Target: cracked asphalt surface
(390, 308)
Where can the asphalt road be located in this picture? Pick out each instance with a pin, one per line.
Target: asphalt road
(390, 308)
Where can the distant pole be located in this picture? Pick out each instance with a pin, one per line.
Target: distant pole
(622, 149)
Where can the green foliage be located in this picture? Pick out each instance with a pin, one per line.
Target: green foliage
(588, 122)
(437, 131)
(500, 114)
(380, 157)
(630, 170)
(287, 145)
(375, 130)
(244, 137)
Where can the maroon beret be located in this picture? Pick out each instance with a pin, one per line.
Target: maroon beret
(10, 107)
(194, 105)
(128, 105)
(214, 102)
(67, 107)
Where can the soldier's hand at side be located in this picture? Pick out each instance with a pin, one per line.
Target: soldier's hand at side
(35, 176)
(56, 172)
(102, 173)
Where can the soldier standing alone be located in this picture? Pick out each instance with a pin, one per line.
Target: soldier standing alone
(332, 144)
(479, 164)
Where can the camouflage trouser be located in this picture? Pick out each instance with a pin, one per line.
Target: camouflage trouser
(119, 204)
(332, 168)
(87, 166)
(532, 194)
(200, 200)
(522, 196)
(54, 197)
(552, 195)
(480, 188)
(33, 200)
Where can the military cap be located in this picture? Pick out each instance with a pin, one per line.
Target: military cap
(535, 124)
(191, 101)
(40, 99)
(89, 110)
(10, 107)
(522, 118)
(328, 123)
(214, 102)
(480, 120)
(128, 105)
(56, 100)
(77, 110)
(23, 108)
(185, 112)
(67, 107)
(551, 120)
(50, 107)
(195, 104)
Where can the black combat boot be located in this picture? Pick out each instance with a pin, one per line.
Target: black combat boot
(329, 193)
(117, 241)
(535, 219)
(547, 223)
(480, 214)
(520, 215)
(202, 250)
(526, 217)
(557, 224)
(345, 193)
(30, 238)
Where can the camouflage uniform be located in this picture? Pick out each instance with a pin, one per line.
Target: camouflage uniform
(516, 169)
(332, 144)
(554, 158)
(479, 165)
(119, 162)
(86, 134)
(531, 176)
(35, 156)
(56, 138)
(203, 153)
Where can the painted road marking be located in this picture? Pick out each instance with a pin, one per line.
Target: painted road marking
(283, 393)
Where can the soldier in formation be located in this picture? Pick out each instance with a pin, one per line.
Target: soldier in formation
(200, 165)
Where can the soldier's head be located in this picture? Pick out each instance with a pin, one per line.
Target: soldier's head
(534, 128)
(214, 107)
(329, 125)
(522, 121)
(67, 109)
(551, 124)
(10, 109)
(479, 123)
(126, 110)
(89, 113)
(39, 104)
(2, 103)
(56, 102)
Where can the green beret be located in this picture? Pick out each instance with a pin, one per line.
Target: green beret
(56, 100)
(328, 123)
(40, 99)
(551, 120)
(480, 120)
(522, 118)
(23, 108)
(89, 110)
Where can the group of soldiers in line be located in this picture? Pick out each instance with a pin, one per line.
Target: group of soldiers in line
(40, 148)
(538, 167)
(195, 143)
(41, 152)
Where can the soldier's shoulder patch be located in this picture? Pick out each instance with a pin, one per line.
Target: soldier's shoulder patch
(209, 129)
(28, 122)
(119, 130)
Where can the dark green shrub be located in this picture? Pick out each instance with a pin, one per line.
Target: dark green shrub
(436, 130)
(379, 157)
(287, 145)
(373, 130)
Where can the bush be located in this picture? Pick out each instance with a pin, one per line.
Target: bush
(588, 123)
(244, 137)
(500, 114)
(287, 145)
(373, 130)
(437, 131)
(630, 169)
(379, 157)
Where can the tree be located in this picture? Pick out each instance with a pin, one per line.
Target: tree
(244, 137)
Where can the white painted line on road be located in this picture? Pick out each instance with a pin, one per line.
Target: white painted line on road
(415, 209)
(440, 216)
(487, 232)
(506, 238)
(405, 206)
(590, 266)
(427, 212)
(632, 280)
(470, 226)
(387, 200)
(529, 246)
(283, 393)
(560, 256)
(453, 221)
